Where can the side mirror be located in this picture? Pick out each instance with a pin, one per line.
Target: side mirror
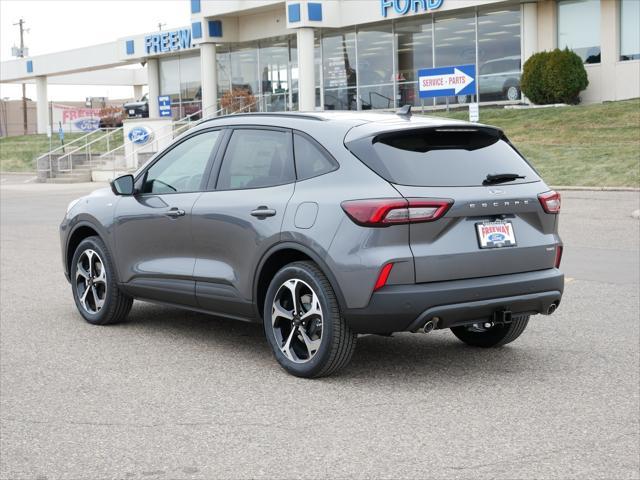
(123, 185)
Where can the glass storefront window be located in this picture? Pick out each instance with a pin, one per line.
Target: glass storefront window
(170, 78)
(375, 67)
(455, 44)
(339, 70)
(274, 74)
(629, 30)
(499, 54)
(579, 28)
(190, 85)
(180, 79)
(244, 68)
(414, 40)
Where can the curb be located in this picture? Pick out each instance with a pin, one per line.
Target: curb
(596, 189)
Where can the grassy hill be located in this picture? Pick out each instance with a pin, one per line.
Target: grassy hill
(591, 145)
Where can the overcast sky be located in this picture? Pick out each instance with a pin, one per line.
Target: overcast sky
(56, 25)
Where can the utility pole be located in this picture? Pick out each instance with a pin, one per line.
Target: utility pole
(160, 25)
(21, 23)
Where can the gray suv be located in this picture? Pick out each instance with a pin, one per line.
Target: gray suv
(323, 226)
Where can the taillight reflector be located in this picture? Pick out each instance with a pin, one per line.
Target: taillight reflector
(383, 276)
(559, 250)
(394, 211)
(550, 201)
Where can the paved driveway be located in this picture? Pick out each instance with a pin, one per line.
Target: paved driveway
(174, 394)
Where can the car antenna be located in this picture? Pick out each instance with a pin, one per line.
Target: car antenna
(404, 111)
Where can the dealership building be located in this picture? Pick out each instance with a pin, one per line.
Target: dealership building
(348, 54)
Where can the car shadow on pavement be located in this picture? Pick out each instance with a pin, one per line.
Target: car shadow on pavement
(438, 355)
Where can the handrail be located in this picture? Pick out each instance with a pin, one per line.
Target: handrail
(67, 145)
(85, 146)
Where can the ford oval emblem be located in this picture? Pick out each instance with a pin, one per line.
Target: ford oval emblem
(496, 191)
(140, 135)
(496, 237)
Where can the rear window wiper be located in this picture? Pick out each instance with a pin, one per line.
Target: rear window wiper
(501, 177)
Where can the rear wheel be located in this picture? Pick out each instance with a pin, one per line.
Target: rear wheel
(94, 286)
(477, 335)
(303, 324)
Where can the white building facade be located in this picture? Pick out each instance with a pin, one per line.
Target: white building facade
(351, 54)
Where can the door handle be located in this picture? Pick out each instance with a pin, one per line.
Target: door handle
(175, 213)
(263, 212)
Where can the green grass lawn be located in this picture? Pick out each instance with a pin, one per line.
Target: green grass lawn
(590, 145)
(17, 154)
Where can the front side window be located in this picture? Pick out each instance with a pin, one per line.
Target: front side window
(255, 159)
(311, 159)
(181, 169)
(629, 30)
(579, 28)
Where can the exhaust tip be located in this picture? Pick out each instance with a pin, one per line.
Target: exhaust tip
(428, 327)
(552, 308)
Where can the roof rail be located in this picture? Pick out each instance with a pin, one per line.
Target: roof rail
(306, 116)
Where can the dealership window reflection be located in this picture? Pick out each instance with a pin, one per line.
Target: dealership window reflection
(455, 44)
(339, 70)
(630, 30)
(579, 28)
(499, 60)
(375, 67)
(414, 40)
(180, 79)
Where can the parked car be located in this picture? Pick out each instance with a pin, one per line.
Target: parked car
(499, 79)
(137, 109)
(324, 226)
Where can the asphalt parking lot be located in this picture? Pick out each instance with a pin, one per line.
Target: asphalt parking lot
(174, 394)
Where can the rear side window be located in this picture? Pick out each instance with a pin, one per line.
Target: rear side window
(311, 159)
(255, 159)
(441, 157)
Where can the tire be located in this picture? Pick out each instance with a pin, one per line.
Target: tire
(317, 343)
(493, 337)
(512, 93)
(104, 303)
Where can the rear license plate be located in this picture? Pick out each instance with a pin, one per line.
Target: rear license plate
(495, 234)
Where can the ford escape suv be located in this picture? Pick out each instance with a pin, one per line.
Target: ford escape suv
(323, 226)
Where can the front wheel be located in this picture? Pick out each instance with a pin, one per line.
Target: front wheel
(477, 335)
(303, 324)
(94, 286)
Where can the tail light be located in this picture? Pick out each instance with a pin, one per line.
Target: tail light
(550, 201)
(383, 276)
(394, 211)
(559, 250)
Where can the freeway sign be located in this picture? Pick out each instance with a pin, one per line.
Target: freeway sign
(447, 81)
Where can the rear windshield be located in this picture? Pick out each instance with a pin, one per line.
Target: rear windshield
(442, 157)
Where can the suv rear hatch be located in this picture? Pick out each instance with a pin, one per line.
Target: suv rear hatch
(496, 224)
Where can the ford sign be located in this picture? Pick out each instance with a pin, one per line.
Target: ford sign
(87, 124)
(140, 135)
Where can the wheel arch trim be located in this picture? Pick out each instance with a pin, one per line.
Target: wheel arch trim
(290, 245)
(84, 223)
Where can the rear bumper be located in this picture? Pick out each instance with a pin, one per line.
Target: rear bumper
(397, 308)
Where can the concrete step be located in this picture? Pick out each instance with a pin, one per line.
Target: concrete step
(71, 178)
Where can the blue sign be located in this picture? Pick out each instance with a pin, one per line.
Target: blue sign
(60, 133)
(402, 7)
(164, 105)
(164, 42)
(140, 135)
(87, 124)
(447, 81)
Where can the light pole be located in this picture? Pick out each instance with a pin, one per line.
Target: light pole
(20, 53)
